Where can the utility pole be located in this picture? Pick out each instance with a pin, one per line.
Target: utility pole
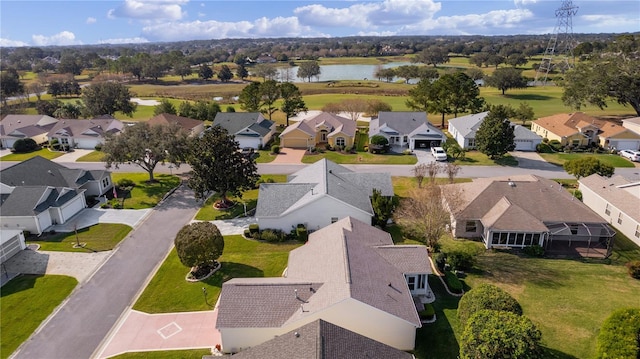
(559, 52)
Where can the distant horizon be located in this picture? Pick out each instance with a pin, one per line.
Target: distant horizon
(41, 23)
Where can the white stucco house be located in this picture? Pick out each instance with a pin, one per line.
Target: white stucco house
(15, 127)
(250, 129)
(615, 199)
(463, 129)
(318, 195)
(84, 134)
(345, 274)
(11, 243)
(406, 130)
(37, 193)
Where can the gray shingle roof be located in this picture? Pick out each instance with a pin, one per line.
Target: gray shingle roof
(340, 262)
(27, 200)
(235, 122)
(407, 258)
(523, 133)
(404, 122)
(323, 177)
(86, 128)
(468, 125)
(321, 339)
(617, 190)
(39, 171)
(31, 124)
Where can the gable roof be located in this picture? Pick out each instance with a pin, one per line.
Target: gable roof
(39, 171)
(28, 125)
(522, 133)
(339, 262)
(323, 177)
(468, 125)
(31, 200)
(617, 190)
(490, 199)
(235, 122)
(168, 119)
(566, 124)
(321, 339)
(335, 123)
(97, 127)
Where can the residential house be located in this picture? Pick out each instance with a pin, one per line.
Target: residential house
(463, 129)
(11, 242)
(84, 134)
(250, 129)
(321, 339)
(338, 276)
(325, 128)
(406, 130)
(192, 126)
(526, 210)
(15, 127)
(37, 193)
(318, 195)
(579, 129)
(632, 124)
(615, 199)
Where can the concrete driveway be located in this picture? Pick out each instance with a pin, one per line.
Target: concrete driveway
(90, 216)
(532, 160)
(289, 155)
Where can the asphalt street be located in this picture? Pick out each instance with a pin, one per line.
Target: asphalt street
(86, 318)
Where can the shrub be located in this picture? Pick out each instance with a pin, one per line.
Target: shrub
(365, 148)
(98, 147)
(301, 233)
(460, 260)
(618, 337)
(254, 228)
(126, 182)
(25, 145)
(428, 312)
(406, 152)
(247, 233)
(275, 149)
(440, 259)
(453, 282)
(534, 251)
(486, 296)
(199, 244)
(328, 147)
(272, 235)
(633, 268)
(577, 194)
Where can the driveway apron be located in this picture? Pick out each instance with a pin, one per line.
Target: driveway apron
(81, 323)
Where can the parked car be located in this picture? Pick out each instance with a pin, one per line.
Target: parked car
(631, 155)
(438, 153)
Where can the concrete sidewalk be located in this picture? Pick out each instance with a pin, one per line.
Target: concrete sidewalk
(232, 226)
(90, 216)
(72, 156)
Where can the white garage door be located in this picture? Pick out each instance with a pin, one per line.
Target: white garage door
(73, 208)
(86, 143)
(524, 145)
(625, 145)
(10, 248)
(253, 142)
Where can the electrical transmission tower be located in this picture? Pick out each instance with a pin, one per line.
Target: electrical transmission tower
(559, 52)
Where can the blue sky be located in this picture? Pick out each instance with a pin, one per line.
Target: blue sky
(84, 22)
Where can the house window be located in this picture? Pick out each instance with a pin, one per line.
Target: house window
(340, 141)
(536, 238)
(405, 139)
(519, 239)
(575, 142)
(323, 136)
(472, 142)
(422, 279)
(411, 282)
(105, 182)
(471, 226)
(397, 138)
(334, 219)
(620, 218)
(607, 210)
(637, 231)
(64, 141)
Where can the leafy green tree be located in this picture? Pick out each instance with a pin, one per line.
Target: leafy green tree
(386, 74)
(495, 135)
(506, 78)
(185, 109)
(606, 77)
(199, 244)
(292, 102)
(225, 73)
(407, 72)
(11, 84)
(205, 72)
(269, 94)
(463, 94)
(165, 106)
(428, 73)
(524, 113)
(146, 146)
(242, 72)
(182, 69)
(378, 143)
(249, 98)
(429, 96)
(105, 98)
(376, 106)
(500, 334)
(154, 68)
(433, 55)
(383, 207)
(489, 297)
(219, 166)
(69, 110)
(48, 107)
(69, 64)
(516, 60)
(586, 166)
(266, 71)
(618, 337)
(25, 145)
(309, 69)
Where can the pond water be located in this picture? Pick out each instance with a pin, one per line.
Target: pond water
(341, 72)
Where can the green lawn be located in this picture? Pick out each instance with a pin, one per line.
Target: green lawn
(567, 299)
(362, 158)
(94, 156)
(168, 354)
(560, 158)
(476, 158)
(265, 156)
(99, 237)
(168, 291)
(25, 302)
(209, 213)
(144, 194)
(43, 152)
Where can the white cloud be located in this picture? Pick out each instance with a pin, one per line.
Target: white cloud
(524, 2)
(471, 23)
(11, 43)
(149, 10)
(130, 40)
(367, 15)
(202, 30)
(609, 21)
(63, 38)
(91, 20)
